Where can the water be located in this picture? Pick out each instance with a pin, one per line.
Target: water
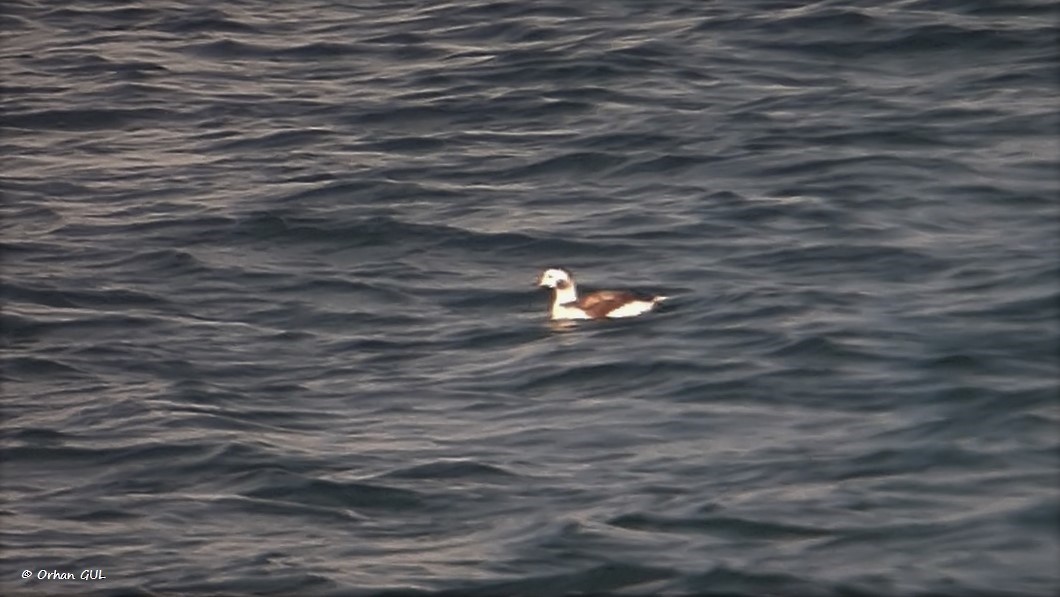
(269, 324)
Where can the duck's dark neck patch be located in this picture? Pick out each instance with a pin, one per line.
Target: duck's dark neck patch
(563, 284)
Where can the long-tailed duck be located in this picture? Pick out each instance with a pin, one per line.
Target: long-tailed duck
(596, 305)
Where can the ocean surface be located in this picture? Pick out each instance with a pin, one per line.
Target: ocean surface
(270, 326)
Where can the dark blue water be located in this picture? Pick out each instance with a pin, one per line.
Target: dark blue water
(269, 326)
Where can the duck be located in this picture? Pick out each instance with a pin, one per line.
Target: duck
(602, 304)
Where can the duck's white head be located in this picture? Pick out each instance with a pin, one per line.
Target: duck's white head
(556, 277)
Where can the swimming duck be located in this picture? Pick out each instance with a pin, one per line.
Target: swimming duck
(602, 304)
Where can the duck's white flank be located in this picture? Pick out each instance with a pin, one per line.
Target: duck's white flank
(566, 304)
